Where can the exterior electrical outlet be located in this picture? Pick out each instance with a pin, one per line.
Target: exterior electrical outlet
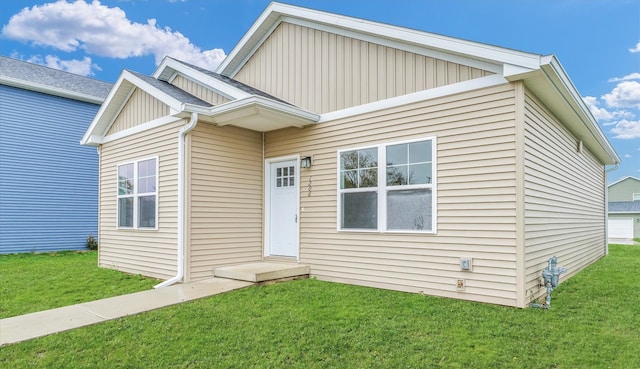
(465, 264)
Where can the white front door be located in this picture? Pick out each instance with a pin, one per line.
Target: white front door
(282, 211)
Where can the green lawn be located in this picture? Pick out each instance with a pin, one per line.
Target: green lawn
(35, 282)
(594, 322)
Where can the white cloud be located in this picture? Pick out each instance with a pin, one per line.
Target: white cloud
(625, 95)
(626, 129)
(82, 67)
(103, 31)
(598, 112)
(627, 156)
(628, 77)
(635, 49)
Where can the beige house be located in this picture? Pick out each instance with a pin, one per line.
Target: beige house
(377, 155)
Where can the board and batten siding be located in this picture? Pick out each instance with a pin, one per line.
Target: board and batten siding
(564, 199)
(151, 253)
(140, 108)
(48, 181)
(321, 72)
(198, 90)
(225, 198)
(476, 194)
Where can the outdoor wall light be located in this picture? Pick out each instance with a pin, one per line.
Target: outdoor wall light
(305, 162)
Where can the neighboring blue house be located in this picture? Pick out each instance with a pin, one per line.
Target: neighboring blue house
(48, 181)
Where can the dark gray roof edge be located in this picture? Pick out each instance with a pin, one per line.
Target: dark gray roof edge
(171, 90)
(40, 78)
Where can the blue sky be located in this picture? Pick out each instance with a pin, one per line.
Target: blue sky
(597, 41)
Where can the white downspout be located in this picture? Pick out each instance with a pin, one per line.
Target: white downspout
(606, 208)
(181, 199)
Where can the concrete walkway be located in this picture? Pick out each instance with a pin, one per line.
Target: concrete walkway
(25, 327)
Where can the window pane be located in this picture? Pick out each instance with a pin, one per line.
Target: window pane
(409, 210)
(291, 171)
(278, 172)
(359, 210)
(349, 160)
(285, 182)
(147, 211)
(397, 176)
(146, 176)
(368, 178)
(125, 179)
(368, 158)
(397, 154)
(349, 179)
(420, 152)
(125, 212)
(292, 181)
(420, 173)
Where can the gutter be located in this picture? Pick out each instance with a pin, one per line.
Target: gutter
(181, 200)
(606, 207)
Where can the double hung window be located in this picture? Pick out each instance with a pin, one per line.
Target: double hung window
(138, 194)
(388, 187)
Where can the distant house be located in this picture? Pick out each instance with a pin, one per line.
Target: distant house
(48, 181)
(377, 155)
(624, 208)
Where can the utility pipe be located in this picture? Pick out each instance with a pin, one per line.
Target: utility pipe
(181, 199)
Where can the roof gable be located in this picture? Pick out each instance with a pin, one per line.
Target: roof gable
(543, 75)
(34, 77)
(625, 179)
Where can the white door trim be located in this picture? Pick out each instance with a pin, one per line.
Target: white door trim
(267, 202)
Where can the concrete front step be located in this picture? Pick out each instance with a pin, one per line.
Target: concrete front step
(262, 272)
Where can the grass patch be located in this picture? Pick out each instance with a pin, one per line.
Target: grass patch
(593, 323)
(35, 282)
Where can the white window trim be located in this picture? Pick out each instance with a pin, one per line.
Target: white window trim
(635, 196)
(382, 188)
(136, 195)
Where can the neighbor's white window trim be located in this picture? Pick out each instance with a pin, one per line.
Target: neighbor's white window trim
(635, 197)
(382, 188)
(136, 195)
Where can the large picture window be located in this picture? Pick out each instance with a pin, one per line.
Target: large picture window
(137, 194)
(388, 187)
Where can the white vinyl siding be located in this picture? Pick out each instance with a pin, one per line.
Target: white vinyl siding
(476, 195)
(322, 72)
(225, 198)
(135, 251)
(140, 108)
(564, 200)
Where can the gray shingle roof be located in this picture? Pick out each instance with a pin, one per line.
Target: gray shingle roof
(232, 82)
(34, 74)
(624, 206)
(172, 90)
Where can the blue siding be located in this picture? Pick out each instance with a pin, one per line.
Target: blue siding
(48, 181)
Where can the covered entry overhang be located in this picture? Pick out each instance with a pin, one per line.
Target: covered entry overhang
(255, 113)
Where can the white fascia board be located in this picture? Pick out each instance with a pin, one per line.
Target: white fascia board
(119, 95)
(99, 119)
(474, 84)
(49, 90)
(198, 77)
(137, 129)
(394, 43)
(276, 12)
(247, 36)
(559, 79)
(255, 100)
(153, 91)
